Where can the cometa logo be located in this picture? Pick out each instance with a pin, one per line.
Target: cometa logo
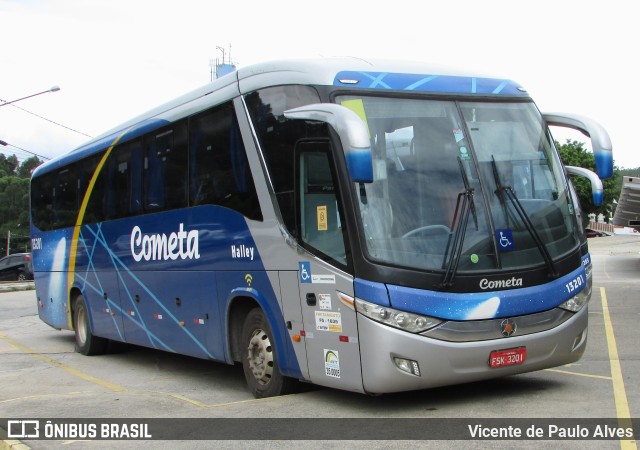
(500, 284)
(162, 247)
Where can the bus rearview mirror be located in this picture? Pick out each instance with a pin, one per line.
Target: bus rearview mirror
(597, 190)
(600, 141)
(352, 131)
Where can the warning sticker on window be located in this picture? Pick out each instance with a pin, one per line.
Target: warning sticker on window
(322, 218)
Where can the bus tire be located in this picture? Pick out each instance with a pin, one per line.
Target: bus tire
(259, 360)
(86, 342)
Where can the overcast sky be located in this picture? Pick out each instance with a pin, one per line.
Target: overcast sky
(114, 59)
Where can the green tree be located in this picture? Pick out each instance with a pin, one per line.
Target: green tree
(8, 165)
(631, 172)
(573, 153)
(14, 202)
(27, 167)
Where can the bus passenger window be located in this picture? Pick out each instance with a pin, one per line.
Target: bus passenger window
(95, 210)
(165, 169)
(65, 198)
(124, 177)
(278, 138)
(219, 170)
(42, 202)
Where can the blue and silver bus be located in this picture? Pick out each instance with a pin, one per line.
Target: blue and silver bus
(368, 226)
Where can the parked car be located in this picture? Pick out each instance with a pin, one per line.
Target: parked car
(594, 233)
(16, 267)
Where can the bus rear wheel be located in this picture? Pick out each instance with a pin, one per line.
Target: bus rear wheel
(86, 343)
(259, 360)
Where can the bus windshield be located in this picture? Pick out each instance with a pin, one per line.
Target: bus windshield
(462, 186)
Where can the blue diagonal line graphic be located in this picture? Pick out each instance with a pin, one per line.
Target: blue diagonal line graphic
(114, 305)
(108, 302)
(90, 267)
(123, 284)
(500, 87)
(99, 238)
(419, 83)
(151, 294)
(375, 81)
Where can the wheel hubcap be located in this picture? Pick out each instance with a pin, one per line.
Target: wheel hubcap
(82, 327)
(260, 356)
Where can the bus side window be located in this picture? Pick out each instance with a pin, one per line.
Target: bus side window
(319, 216)
(42, 202)
(95, 210)
(65, 198)
(278, 138)
(165, 169)
(124, 177)
(208, 140)
(219, 170)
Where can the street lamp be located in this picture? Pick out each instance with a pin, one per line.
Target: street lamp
(51, 89)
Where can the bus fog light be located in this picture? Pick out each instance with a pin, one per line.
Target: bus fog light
(407, 365)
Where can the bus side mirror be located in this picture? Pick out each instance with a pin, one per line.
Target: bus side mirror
(602, 149)
(352, 132)
(596, 183)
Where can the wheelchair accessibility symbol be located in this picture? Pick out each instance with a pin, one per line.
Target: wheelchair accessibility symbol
(504, 238)
(305, 272)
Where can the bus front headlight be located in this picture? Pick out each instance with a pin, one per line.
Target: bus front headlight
(576, 303)
(406, 321)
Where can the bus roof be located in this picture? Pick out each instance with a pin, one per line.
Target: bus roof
(349, 72)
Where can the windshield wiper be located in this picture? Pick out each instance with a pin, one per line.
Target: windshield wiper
(460, 222)
(507, 192)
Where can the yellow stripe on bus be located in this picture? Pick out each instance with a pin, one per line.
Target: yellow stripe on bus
(79, 220)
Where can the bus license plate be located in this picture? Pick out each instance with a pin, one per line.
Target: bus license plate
(511, 357)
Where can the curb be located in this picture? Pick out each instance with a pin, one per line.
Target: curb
(12, 286)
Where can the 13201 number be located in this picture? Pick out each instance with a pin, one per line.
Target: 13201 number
(574, 284)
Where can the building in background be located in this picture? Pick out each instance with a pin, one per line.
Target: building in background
(628, 210)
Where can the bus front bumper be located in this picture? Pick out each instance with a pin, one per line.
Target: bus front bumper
(441, 363)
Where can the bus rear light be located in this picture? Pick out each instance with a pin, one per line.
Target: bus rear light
(407, 365)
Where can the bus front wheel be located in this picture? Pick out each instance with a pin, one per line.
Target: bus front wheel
(259, 360)
(86, 343)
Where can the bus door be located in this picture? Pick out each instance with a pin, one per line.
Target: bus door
(326, 291)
